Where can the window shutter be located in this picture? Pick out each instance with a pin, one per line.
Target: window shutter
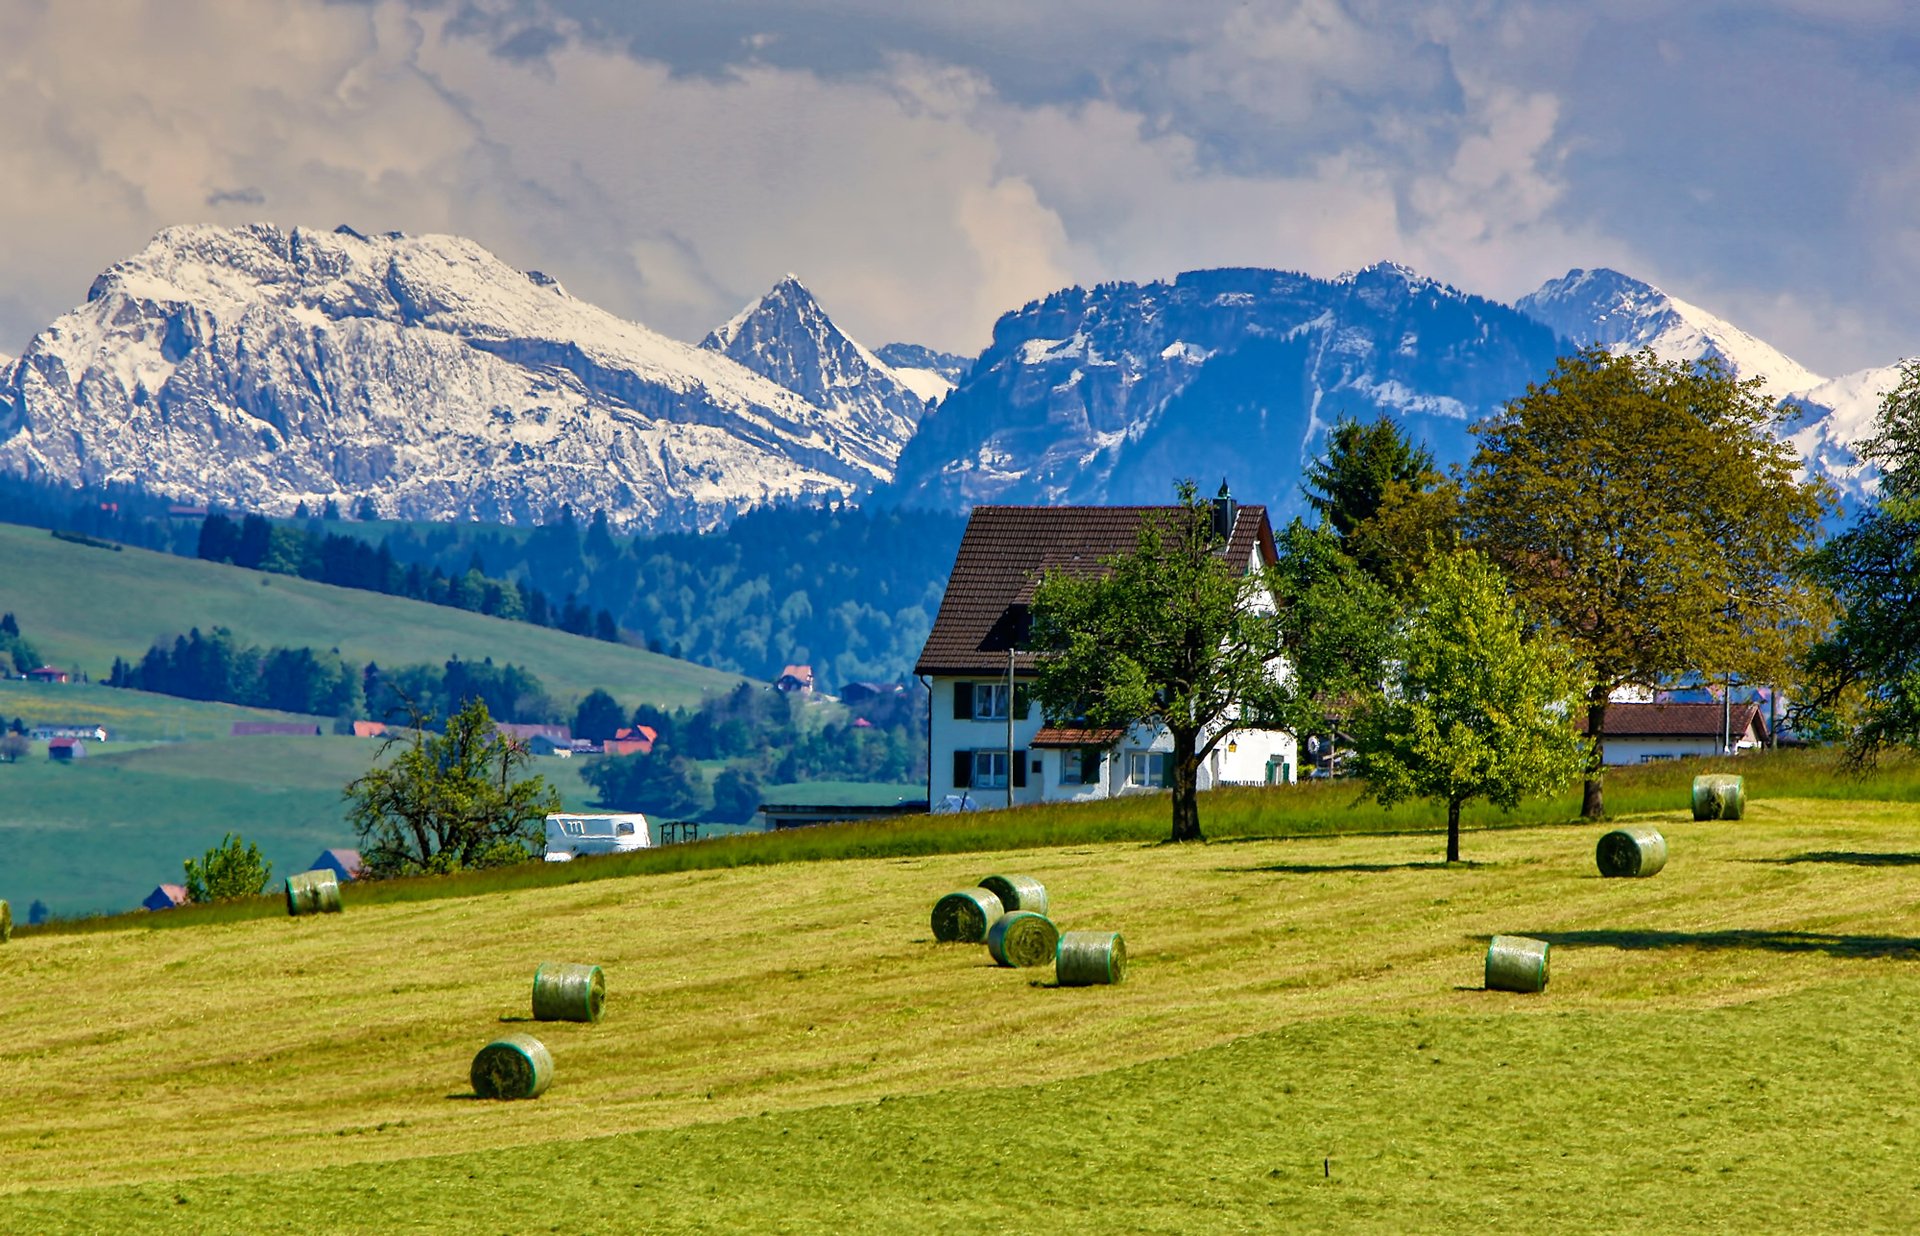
(1019, 770)
(1022, 701)
(1089, 764)
(962, 705)
(962, 769)
(1166, 771)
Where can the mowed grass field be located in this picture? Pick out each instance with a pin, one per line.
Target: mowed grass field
(1302, 1043)
(72, 603)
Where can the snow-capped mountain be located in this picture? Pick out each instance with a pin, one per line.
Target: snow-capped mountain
(787, 337)
(928, 373)
(1622, 313)
(1112, 394)
(258, 368)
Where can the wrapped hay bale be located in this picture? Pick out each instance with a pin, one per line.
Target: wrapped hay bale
(1088, 958)
(6, 922)
(1516, 963)
(1017, 892)
(1023, 938)
(965, 916)
(1719, 796)
(563, 991)
(313, 892)
(515, 1067)
(1631, 852)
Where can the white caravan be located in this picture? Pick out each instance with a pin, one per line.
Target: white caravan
(572, 835)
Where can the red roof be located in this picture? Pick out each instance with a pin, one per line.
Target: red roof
(369, 729)
(1006, 549)
(1678, 721)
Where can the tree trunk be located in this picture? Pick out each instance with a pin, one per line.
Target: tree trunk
(1593, 804)
(1453, 830)
(1186, 786)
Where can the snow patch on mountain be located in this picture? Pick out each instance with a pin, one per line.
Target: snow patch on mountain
(257, 368)
(1835, 416)
(929, 374)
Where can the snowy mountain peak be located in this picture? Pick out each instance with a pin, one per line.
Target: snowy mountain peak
(1624, 314)
(256, 368)
(787, 337)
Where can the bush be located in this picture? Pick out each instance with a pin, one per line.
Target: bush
(233, 868)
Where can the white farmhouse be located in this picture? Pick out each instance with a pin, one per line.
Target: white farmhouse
(1643, 733)
(987, 743)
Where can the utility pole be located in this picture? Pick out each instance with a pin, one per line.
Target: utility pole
(1009, 727)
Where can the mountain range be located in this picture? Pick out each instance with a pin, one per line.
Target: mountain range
(257, 368)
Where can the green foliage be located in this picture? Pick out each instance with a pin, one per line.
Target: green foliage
(1864, 677)
(449, 800)
(598, 717)
(1474, 709)
(736, 795)
(1647, 512)
(1171, 634)
(15, 648)
(1336, 626)
(216, 666)
(662, 782)
(230, 869)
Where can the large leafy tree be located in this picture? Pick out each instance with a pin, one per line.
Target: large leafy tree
(1646, 511)
(1864, 677)
(1336, 624)
(234, 868)
(1380, 494)
(1474, 708)
(1170, 634)
(448, 801)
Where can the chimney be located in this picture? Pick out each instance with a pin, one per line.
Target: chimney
(1224, 511)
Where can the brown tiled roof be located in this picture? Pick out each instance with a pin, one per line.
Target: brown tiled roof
(1064, 736)
(1005, 551)
(1677, 720)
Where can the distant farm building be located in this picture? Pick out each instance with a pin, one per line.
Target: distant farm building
(92, 733)
(66, 750)
(345, 864)
(369, 729)
(547, 744)
(166, 897)
(795, 679)
(861, 692)
(1646, 733)
(562, 734)
(47, 673)
(631, 740)
(267, 729)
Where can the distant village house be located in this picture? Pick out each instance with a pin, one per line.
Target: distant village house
(795, 680)
(1643, 733)
(166, 897)
(92, 733)
(48, 673)
(66, 750)
(345, 864)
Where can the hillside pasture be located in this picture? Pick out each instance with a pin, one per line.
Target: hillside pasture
(1302, 1042)
(71, 603)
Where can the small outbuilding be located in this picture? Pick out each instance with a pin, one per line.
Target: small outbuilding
(166, 897)
(47, 673)
(345, 864)
(66, 750)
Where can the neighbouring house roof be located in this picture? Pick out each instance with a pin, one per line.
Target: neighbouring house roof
(1068, 736)
(801, 675)
(636, 733)
(347, 862)
(48, 671)
(73, 745)
(166, 896)
(1003, 554)
(1679, 721)
(369, 729)
(527, 733)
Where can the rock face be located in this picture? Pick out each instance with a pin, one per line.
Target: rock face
(1111, 394)
(787, 337)
(258, 368)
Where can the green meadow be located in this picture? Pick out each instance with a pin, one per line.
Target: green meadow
(1303, 1041)
(72, 603)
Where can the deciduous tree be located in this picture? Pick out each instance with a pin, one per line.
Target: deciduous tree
(1474, 709)
(233, 868)
(1171, 634)
(1646, 511)
(448, 801)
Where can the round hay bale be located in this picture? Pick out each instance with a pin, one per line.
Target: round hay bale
(6, 922)
(1631, 852)
(564, 991)
(515, 1067)
(1017, 892)
(1719, 796)
(1023, 938)
(313, 892)
(965, 916)
(1087, 958)
(1516, 963)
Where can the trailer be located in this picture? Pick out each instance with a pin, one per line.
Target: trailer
(569, 836)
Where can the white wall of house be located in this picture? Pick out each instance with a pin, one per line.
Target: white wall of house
(1133, 766)
(1646, 750)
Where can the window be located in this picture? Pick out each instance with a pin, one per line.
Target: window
(990, 701)
(1080, 767)
(573, 828)
(1146, 768)
(990, 770)
(623, 828)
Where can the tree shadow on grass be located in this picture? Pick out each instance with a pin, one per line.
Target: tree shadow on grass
(1768, 941)
(1323, 868)
(1850, 858)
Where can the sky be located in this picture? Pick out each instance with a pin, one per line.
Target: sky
(925, 168)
